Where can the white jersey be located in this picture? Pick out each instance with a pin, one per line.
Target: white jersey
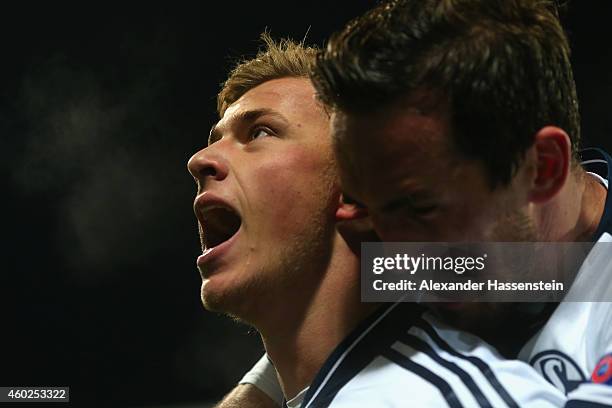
(403, 357)
(429, 364)
(573, 350)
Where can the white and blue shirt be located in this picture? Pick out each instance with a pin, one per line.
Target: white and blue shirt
(573, 350)
(403, 356)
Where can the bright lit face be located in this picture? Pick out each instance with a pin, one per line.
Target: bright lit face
(400, 163)
(267, 195)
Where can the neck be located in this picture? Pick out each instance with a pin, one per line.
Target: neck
(299, 341)
(575, 213)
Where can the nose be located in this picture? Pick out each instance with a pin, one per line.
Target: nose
(207, 165)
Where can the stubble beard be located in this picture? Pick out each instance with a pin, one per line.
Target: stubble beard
(514, 226)
(285, 277)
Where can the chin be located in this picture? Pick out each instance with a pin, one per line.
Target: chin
(235, 302)
(216, 298)
(212, 302)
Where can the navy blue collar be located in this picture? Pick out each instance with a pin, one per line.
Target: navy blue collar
(359, 348)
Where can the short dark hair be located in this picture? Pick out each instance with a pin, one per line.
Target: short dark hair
(503, 66)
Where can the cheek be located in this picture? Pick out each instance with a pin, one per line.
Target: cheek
(394, 229)
(470, 220)
(292, 188)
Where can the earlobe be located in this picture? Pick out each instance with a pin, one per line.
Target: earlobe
(349, 210)
(553, 154)
(354, 223)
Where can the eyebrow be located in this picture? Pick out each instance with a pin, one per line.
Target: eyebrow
(244, 117)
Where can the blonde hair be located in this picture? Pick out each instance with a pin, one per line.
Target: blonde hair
(281, 59)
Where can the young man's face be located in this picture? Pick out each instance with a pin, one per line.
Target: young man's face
(267, 194)
(401, 164)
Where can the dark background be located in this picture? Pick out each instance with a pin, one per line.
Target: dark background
(101, 105)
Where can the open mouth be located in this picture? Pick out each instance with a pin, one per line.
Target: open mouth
(219, 224)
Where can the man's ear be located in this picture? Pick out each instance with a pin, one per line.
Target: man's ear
(354, 224)
(552, 148)
(349, 209)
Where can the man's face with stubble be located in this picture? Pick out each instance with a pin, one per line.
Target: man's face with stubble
(266, 200)
(401, 164)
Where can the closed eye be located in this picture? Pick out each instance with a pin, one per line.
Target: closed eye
(406, 205)
(424, 210)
